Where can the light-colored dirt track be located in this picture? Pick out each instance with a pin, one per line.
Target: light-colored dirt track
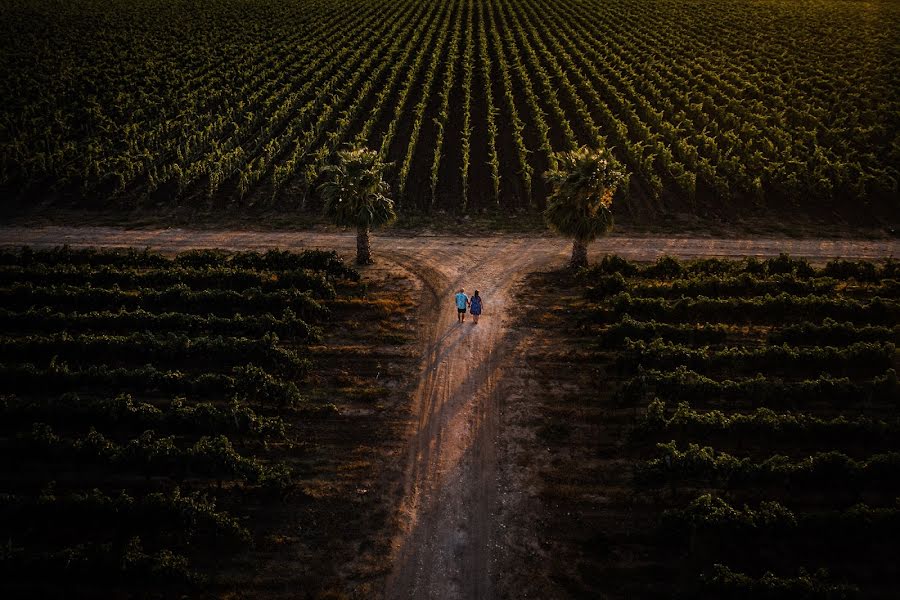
(447, 546)
(632, 247)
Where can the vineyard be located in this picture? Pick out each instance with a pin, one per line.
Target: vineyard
(718, 108)
(172, 422)
(720, 429)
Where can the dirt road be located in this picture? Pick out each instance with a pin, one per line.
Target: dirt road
(646, 247)
(452, 533)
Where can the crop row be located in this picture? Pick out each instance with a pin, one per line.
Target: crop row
(87, 563)
(861, 356)
(722, 582)
(763, 424)
(230, 279)
(326, 262)
(709, 513)
(46, 320)
(185, 517)
(125, 413)
(210, 457)
(178, 298)
(828, 333)
(716, 286)
(617, 334)
(832, 333)
(249, 382)
(743, 285)
(670, 269)
(170, 348)
(702, 464)
(771, 309)
(682, 383)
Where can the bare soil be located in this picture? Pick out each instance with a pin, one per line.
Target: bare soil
(461, 521)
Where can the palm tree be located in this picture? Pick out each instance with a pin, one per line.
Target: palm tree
(583, 182)
(356, 195)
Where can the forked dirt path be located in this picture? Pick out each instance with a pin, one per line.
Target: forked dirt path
(448, 545)
(444, 549)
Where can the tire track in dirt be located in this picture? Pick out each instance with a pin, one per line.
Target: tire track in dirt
(447, 545)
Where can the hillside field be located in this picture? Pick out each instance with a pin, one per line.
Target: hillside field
(718, 109)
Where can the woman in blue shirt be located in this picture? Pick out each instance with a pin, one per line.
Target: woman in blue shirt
(475, 307)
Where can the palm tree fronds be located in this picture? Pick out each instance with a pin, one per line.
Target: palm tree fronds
(583, 182)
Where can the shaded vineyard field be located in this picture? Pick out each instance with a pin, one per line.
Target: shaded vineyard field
(714, 428)
(215, 421)
(717, 109)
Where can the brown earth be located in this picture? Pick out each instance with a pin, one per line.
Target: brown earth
(462, 487)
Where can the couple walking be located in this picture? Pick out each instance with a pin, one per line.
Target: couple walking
(463, 302)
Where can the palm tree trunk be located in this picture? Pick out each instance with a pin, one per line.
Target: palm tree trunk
(363, 252)
(579, 255)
